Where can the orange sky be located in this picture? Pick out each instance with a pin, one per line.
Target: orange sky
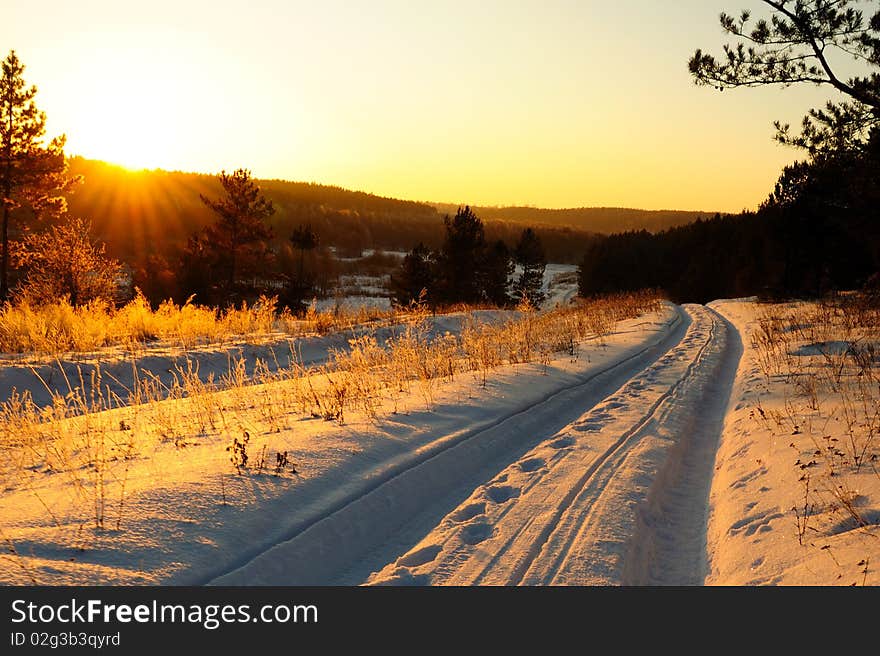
(549, 103)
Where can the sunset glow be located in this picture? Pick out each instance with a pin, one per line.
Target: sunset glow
(560, 104)
(132, 126)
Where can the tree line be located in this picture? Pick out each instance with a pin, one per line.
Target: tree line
(602, 220)
(817, 232)
(147, 220)
(155, 212)
(469, 268)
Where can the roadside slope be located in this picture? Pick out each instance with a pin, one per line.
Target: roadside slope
(796, 493)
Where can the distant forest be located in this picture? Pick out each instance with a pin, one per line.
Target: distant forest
(145, 213)
(817, 232)
(601, 220)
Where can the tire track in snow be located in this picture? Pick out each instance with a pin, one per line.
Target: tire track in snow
(600, 532)
(669, 546)
(369, 529)
(572, 519)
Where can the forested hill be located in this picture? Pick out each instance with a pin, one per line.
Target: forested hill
(154, 212)
(603, 220)
(157, 211)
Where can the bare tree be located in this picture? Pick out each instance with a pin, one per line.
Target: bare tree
(65, 261)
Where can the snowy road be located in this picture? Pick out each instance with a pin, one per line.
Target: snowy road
(604, 482)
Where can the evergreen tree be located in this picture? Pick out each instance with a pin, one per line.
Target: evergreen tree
(818, 228)
(195, 270)
(803, 42)
(64, 261)
(236, 243)
(156, 279)
(416, 278)
(498, 270)
(32, 176)
(529, 254)
(462, 258)
(299, 287)
(304, 239)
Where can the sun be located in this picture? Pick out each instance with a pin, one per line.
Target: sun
(131, 120)
(134, 129)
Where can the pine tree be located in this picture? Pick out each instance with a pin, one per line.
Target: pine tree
(803, 42)
(236, 243)
(462, 258)
(823, 211)
(65, 261)
(416, 278)
(299, 287)
(304, 238)
(497, 272)
(32, 176)
(195, 269)
(529, 254)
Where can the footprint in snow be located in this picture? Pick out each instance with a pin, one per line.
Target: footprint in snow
(501, 493)
(476, 533)
(420, 556)
(759, 523)
(531, 464)
(403, 576)
(592, 426)
(469, 512)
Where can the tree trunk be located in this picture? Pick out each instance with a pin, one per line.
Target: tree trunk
(232, 270)
(4, 265)
(7, 199)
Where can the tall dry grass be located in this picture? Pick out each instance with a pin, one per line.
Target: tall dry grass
(59, 327)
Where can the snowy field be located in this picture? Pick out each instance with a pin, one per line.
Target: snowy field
(560, 286)
(681, 449)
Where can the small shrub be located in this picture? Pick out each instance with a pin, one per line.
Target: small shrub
(238, 454)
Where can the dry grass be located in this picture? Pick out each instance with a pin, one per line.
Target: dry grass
(822, 359)
(59, 328)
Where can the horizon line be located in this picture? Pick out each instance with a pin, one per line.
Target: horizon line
(431, 203)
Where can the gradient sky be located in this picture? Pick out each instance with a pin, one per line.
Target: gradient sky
(551, 103)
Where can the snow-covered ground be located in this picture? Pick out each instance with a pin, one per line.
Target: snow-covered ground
(582, 507)
(668, 455)
(179, 513)
(371, 300)
(560, 284)
(796, 491)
